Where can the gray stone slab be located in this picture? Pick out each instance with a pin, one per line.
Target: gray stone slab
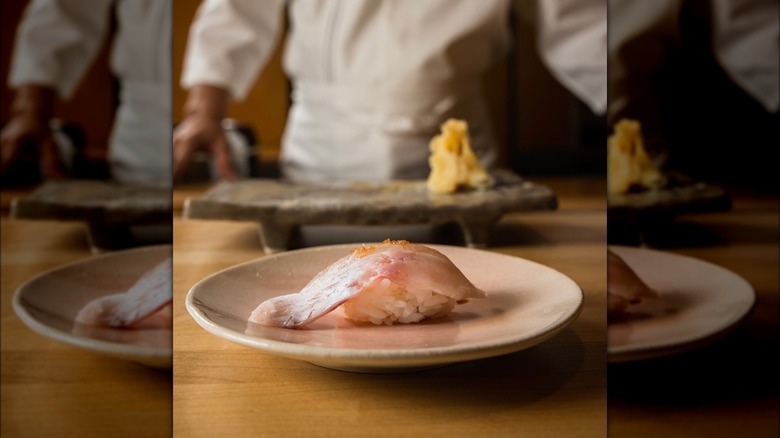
(280, 207)
(110, 210)
(677, 199)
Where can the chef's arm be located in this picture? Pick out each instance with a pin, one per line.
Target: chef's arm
(572, 43)
(228, 44)
(55, 42)
(28, 131)
(745, 43)
(201, 130)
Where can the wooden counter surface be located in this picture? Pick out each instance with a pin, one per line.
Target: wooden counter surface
(730, 387)
(562, 387)
(553, 389)
(53, 389)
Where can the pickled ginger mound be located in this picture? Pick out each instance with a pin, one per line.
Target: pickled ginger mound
(629, 167)
(454, 165)
(392, 282)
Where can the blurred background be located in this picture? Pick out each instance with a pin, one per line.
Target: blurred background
(86, 119)
(542, 127)
(699, 76)
(75, 222)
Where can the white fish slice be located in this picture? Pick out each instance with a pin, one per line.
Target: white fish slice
(404, 264)
(150, 293)
(624, 287)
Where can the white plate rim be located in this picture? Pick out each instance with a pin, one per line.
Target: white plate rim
(365, 359)
(153, 356)
(632, 353)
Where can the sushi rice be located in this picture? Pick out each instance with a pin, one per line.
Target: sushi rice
(388, 303)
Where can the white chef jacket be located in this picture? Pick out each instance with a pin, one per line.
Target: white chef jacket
(572, 43)
(58, 39)
(373, 80)
(744, 41)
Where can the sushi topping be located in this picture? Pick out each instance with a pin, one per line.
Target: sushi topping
(393, 281)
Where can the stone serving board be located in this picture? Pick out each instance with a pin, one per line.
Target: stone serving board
(109, 209)
(679, 198)
(280, 207)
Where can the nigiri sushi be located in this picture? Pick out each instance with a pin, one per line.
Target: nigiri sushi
(391, 282)
(148, 300)
(624, 287)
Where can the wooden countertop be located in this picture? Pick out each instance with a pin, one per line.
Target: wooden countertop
(554, 389)
(562, 387)
(52, 389)
(728, 388)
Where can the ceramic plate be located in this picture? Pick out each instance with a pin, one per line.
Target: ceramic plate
(527, 304)
(49, 302)
(698, 302)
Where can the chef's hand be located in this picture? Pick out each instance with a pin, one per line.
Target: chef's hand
(28, 132)
(201, 130)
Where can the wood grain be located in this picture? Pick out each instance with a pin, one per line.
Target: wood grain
(53, 389)
(554, 389)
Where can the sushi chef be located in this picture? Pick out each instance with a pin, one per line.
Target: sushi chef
(372, 80)
(56, 42)
(703, 77)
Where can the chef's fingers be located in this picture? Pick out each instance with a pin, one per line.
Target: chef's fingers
(9, 150)
(21, 139)
(193, 134)
(223, 161)
(201, 134)
(51, 165)
(184, 145)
